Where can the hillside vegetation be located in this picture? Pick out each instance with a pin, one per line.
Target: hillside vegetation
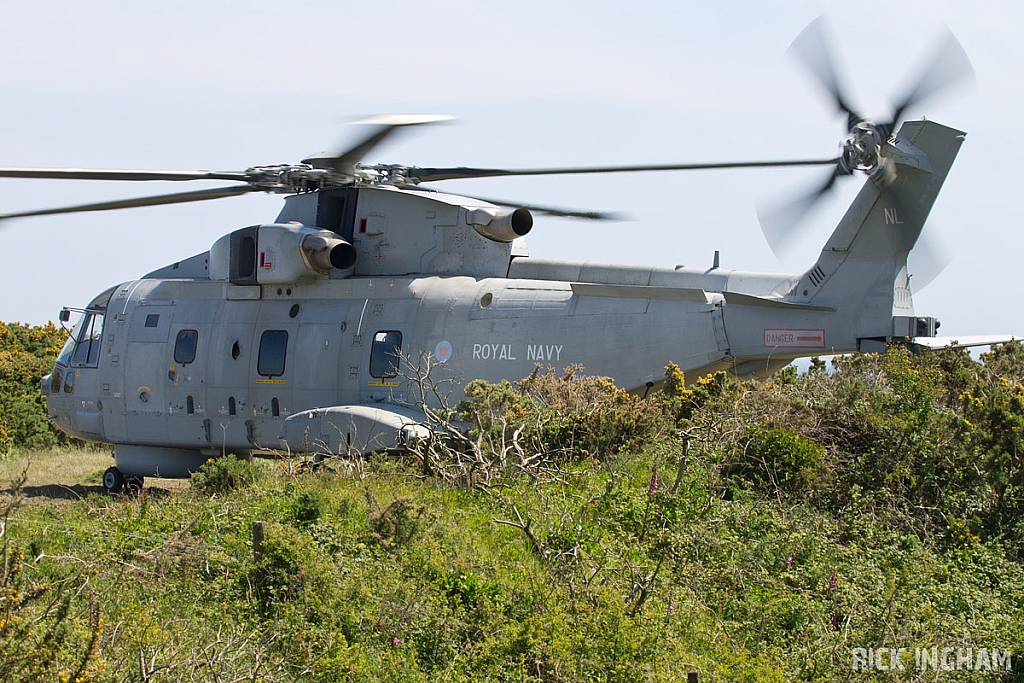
(756, 531)
(26, 354)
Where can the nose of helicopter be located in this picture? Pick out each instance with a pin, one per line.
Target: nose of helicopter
(44, 384)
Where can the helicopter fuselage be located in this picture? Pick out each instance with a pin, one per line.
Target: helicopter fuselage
(214, 367)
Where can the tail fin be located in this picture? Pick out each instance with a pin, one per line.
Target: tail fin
(862, 270)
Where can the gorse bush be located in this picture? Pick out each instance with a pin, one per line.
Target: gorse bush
(27, 353)
(777, 460)
(559, 417)
(49, 624)
(396, 524)
(928, 440)
(308, 508)
(226, 473)
(932, 440)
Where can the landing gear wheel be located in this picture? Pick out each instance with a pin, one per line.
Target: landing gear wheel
(135, 484)
(113, 480)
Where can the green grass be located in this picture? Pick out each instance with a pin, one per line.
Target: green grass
(585, 574)
(746, 531)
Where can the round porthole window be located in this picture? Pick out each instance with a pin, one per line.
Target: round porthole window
(486, 300)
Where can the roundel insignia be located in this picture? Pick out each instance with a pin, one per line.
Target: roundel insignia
(443, 351)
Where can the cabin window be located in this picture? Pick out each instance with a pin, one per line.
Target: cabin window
(185, 347)
(385, 354)
(153, 320)
(273, 347)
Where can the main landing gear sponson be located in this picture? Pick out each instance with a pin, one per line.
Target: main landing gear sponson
(114, 481)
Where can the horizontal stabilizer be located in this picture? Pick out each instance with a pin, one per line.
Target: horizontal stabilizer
(963, 342)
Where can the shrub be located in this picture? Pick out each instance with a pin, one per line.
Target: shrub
(26, 354)
(289, 564)
(308, 507)
(777, 460)
(227, 473)
(397, 524)
(49, 628)
(548, 418)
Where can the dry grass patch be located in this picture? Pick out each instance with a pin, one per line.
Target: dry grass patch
(64, 473)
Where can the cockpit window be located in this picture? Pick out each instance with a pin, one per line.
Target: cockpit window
(82, 349)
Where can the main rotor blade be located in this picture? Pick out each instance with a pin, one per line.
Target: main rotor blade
(462, 172)
(117, 174)
(811, 48)
(344, 161)
(176, 198)
(559, 212)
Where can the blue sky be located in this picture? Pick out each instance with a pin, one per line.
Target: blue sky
(231, 84)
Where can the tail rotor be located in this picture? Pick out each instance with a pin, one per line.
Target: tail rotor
(865, 148)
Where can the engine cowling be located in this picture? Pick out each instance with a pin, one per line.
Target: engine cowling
(325, 251)
(276, 254)
(500, 225)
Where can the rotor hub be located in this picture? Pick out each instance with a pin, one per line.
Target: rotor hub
(861, 149)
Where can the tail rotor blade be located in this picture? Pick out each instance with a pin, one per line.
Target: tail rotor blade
(927, 261)
(811, 47)
(948, 66)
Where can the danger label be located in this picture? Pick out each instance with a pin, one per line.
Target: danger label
(794, 339)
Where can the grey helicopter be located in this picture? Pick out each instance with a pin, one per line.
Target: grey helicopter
(291, 335)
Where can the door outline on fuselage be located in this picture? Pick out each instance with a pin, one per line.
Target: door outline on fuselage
(270, 395)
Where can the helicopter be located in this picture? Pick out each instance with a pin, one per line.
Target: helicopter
(292, 334)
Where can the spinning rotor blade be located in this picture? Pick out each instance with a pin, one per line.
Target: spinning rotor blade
(811, 48)
(418, 174)
(947, 67)
(779, 224)
(280, 179)
(344, 161)
(864, 149)
(115, 174)
(927, 260)
(176, 198)
(559, 212)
